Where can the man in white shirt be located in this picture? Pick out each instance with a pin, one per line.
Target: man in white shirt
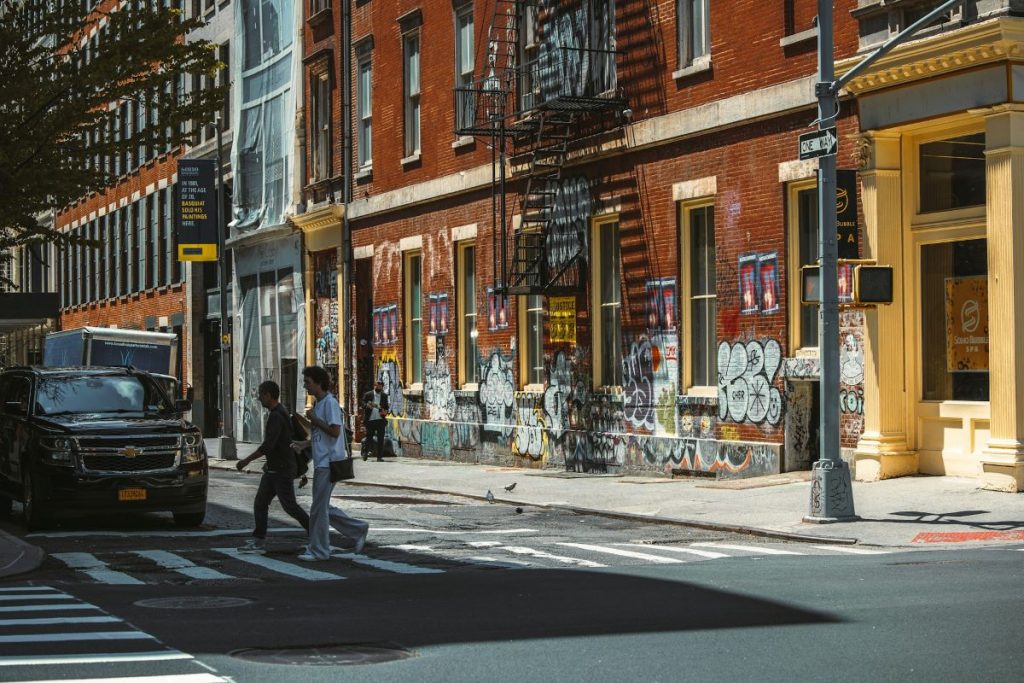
(328, 443)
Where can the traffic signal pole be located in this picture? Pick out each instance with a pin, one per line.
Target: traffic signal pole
(831, 488)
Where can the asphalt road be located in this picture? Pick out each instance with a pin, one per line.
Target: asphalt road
(452, 589)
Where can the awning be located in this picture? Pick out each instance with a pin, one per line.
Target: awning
(19, 310)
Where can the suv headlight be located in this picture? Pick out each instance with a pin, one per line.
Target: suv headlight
(57, 450)
(192, 447)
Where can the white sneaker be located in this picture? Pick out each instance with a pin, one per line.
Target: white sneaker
(360, 542)
(307, 557)
(254, 546)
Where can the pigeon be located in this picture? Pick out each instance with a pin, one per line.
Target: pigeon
(510, 487)
(489, 496)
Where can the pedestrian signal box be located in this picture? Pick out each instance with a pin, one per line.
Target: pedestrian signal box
(862, 284)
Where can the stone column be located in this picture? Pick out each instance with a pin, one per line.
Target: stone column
(1002, 461)
(883, 451)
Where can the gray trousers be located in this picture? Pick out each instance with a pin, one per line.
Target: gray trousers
(323, 516)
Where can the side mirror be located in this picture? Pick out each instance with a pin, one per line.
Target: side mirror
(13, 408)
(182, 405)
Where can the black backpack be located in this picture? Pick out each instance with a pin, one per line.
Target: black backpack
(302, 458)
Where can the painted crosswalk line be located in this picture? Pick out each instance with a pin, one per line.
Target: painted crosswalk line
(92, 566)
(853, 551)
(656, 559)
(168, 678)
(756, 549)
(385, 565)
(95, 658)
(279, 566)
(484, 560)
(539, 554)
(696, 552)
(181, 565)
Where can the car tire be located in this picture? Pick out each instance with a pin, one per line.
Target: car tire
(189, 519)
(33, 511)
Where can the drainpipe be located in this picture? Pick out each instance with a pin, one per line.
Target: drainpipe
(346, 199)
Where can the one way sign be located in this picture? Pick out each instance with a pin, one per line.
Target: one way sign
(818, 144)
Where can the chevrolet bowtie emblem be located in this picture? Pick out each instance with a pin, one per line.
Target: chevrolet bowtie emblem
(130, 452)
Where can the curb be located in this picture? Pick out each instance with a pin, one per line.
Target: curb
(28, 556)
(632, 517)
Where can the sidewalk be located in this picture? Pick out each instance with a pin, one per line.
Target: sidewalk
(918, 512)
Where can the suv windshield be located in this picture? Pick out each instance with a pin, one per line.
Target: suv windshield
(98, 394)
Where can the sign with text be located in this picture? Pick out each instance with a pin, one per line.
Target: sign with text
(820, 143)
(967, 324)
(847, 235)
(196, 210)
(562, 312)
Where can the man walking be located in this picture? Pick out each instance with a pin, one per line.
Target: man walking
(375, 404)
(328, 443)
(278, 471)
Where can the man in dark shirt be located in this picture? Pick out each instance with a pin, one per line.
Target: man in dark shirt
(278, 471)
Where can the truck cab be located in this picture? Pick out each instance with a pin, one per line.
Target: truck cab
(100, 440)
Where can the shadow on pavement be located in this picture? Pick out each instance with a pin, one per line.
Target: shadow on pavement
(918, 517)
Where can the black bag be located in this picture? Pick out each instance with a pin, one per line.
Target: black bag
(341, 470)
(302, 459)
(300, 432)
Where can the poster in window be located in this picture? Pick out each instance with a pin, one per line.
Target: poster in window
(967, 324)
(497, 310)
(393, 318)
(652, 292)
(768, 274)
(378, 327)
(668, 303)
(845, 283)
(748, 284)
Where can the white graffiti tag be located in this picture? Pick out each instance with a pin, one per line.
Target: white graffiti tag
(638, 385)
(497, 395)
(746, 376)
(556, 396)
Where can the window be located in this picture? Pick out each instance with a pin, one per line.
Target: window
(466, 297)
(413, 288)
(464, 57)
(318, 6)
(803, 251)
(321, 124)
(411, 50)
(607, 304)
(694, 30)
(700, 294)
(531, 324)
(364, 106)
(952, 173)
(529, 52)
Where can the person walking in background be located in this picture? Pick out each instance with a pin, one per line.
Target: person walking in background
(328, 442)
(278, 470)
(375, 405)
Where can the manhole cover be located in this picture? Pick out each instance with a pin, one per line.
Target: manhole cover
(194, 602)
(327, 655)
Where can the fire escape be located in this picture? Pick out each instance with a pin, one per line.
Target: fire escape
(537, 92)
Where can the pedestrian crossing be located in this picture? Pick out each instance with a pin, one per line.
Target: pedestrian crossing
(48, 634)
(154, 566)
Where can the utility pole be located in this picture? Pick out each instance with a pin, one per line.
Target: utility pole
(226, 437)
(831, 489)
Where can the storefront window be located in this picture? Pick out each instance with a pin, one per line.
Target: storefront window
(953, 173)
(954, 321)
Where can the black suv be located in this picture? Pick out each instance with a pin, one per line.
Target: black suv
(97, 440)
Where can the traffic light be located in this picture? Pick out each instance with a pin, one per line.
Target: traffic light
(871, 284)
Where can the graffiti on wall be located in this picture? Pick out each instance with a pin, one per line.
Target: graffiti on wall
(531, 435)
(556, 396)
(570, 219)
(746, 382)
(466, 428)
(638, 385)
(437, 390)
(497, 388)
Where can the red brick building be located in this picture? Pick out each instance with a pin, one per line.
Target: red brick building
(577, 229)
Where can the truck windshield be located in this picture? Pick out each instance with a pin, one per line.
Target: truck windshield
(98, 394)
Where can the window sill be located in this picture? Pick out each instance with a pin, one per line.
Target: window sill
(470, 386)
(463, 141)
(699, 65)
(415, 389)
(319, 17)
(364, 173)
(411, 159)
(702, 392)
(533, 388)
(797, 38)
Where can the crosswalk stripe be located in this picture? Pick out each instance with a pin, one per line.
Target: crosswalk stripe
(96, 658)
(44, 621)
(48, 608)
(749, 549)
(92, 566)
(539, 554)
(677, 549)
(853, 551)
(657, 559)
(67, 637)
(46, 596)
(386, 565)
(168, 678)
(28, 589)
(449, 532)
(278, 566)
(499, 562)
(181, 565)
(480, 559)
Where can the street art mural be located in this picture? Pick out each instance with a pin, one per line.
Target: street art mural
(437, 391)
(557, 395)
(466, 427)
(851, 376)
(389, 375)
(497, 401)
(531, 436)
(746, 382)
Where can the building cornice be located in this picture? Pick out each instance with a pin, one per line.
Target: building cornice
(321, 218)
(988, 42)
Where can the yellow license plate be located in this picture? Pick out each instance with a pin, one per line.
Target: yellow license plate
(131, 494)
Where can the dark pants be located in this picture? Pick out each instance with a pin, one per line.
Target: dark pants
(375, 430)
(280, 484)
